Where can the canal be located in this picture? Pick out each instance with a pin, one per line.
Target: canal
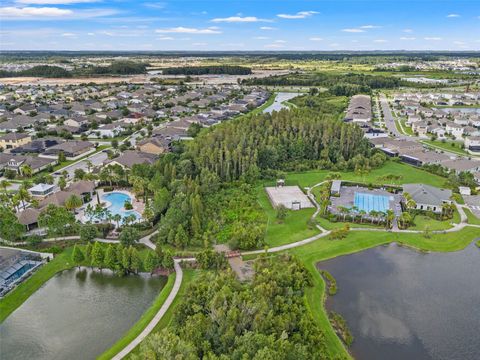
(402, 304)
(78, 314)
(279, 99)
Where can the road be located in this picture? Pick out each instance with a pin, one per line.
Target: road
(96, 159)
(389, 119)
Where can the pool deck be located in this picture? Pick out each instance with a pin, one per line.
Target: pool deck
(138, 206)
(347, 198)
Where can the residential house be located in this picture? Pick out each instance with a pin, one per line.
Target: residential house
(13, 140)
(71, 148)
(130, 158)
(155, 145)
(472, 143)
(42, 190)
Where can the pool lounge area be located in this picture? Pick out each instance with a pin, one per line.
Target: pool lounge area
(114, 202)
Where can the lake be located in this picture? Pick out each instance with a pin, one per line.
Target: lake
(279, 99)
(77, 314)
(402, 304)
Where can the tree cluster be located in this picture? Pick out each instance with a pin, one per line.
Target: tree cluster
(208, 69)
(224, 319)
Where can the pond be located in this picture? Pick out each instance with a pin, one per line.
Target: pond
(77, 314)
(278, 103)
(402, 304)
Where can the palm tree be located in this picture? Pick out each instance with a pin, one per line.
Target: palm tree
(23, 195)
(73, 202)
(390, 217)
(117, 218)
(26, 170)
(362, 214)
(5, 184)
(344, 211)
(89, 165)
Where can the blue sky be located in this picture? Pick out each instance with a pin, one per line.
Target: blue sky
(239, 25)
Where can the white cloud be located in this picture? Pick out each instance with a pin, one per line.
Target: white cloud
(353, 30)
(379, 41)
(407, 31)
(200, 44)
(267, 28)
(315, 39)
(274, 46)
(261, 38)
(166, 38)
(407, 38)
(54, 2)
(453, 15)
(29, 12)
(298, 15)
(68, 34)
(91, 34)
(155, 5)
(459, 43)
(433, 38)
(185, 30)
(240, 19)
(48, 13)
(370, 27)
(280, 41)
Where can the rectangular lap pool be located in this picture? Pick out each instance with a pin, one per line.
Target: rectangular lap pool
(369, 202)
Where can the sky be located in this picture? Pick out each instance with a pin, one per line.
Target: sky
(226, 25)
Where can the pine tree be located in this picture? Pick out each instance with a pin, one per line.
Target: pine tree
(88, 252)
(110, 258)
(181, 237)
(77, 255)
(135, 259)
(97, 256)
(126, 259)
(150, 262)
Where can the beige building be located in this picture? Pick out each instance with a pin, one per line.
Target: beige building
(155, 145)
(14, 140)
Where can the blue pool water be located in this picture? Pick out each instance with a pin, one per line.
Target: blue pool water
(117, 201)
(369, 202)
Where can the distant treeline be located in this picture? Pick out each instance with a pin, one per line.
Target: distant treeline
(338, 84)
(39, 71)
(204, 70)
(49, 71)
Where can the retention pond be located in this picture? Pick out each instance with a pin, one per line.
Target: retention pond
(402, 304)
(77, 314)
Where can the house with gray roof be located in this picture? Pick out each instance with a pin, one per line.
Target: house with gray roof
(427, 197)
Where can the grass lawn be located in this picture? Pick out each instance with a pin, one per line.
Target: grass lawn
(472, 219)
(324, 249)
(147, 316)
(408, 174)
(70, 162)
(293, 228)
(329, 225)
(422, 221)
(451, 146)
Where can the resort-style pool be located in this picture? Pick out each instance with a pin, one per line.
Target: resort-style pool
(369, 202)
(116, 202)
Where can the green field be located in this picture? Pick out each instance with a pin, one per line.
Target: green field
(407, 173)
(472, 219)
(423, 222)
(451, 146)
(292, 228)
(329, 225)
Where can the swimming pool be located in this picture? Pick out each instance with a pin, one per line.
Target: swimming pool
(117, 202)
(369, 202)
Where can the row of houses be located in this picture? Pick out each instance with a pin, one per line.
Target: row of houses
(414, 153)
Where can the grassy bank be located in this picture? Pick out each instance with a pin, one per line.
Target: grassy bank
(147, 316)
(189, 275)
(472, 219)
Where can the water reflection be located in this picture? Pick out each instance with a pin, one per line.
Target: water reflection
(77, 314)
(409, 305)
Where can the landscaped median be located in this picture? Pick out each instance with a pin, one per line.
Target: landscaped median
(147, 316)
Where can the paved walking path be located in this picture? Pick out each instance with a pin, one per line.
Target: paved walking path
(158, 316)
